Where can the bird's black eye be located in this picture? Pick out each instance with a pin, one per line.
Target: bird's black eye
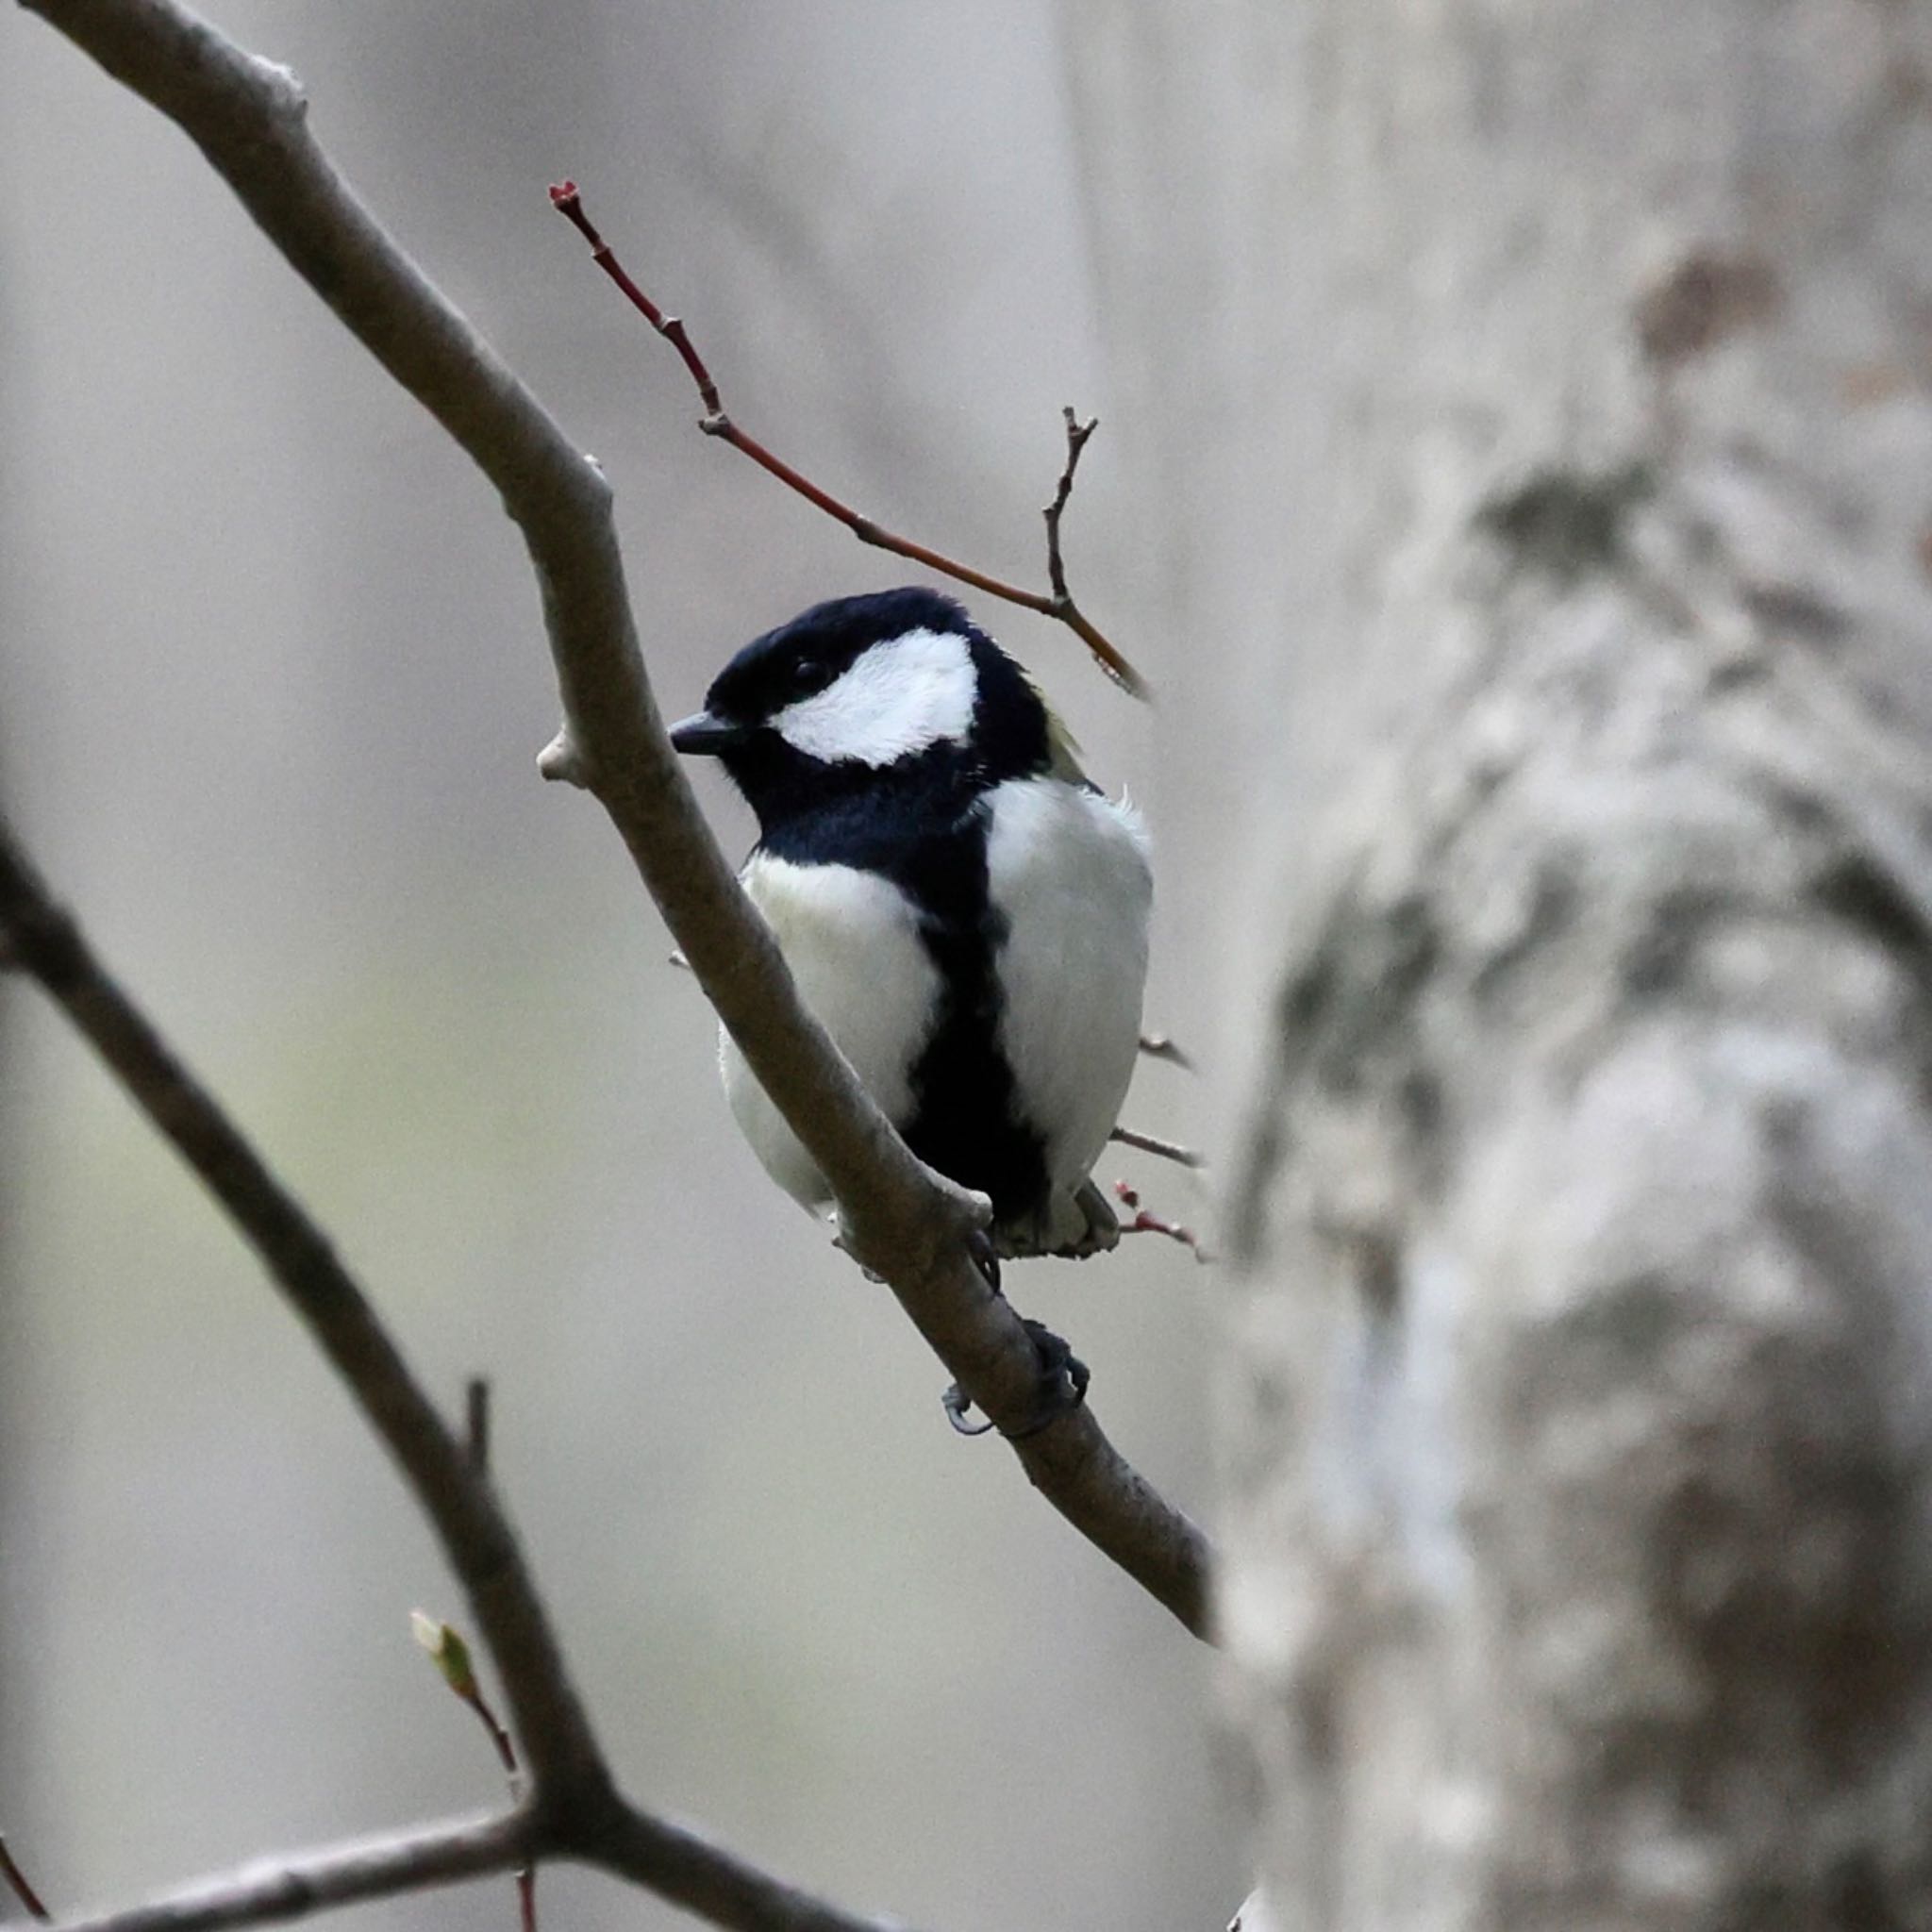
(807, 676)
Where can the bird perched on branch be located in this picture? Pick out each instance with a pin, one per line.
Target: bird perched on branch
(965, 913)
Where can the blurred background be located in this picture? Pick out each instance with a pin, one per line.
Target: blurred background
(272, 685)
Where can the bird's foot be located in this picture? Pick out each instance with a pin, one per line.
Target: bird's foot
(1103, 1231)
(1069, 1229)
(1063, 1379)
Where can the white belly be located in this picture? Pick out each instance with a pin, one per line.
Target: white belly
(1069, 870)
(852, 941)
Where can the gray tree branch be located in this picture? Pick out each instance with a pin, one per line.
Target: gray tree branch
(572, 1808)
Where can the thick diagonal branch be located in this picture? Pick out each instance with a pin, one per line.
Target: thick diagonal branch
(908, 1224)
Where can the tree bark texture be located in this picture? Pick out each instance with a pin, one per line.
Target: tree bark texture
(1541, 399)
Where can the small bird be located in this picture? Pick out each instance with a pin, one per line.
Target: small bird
(965, 913)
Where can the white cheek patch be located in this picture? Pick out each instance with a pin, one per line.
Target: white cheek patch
(899, 698)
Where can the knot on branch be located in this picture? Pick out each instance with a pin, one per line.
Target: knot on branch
(561, 762)
(285, 95)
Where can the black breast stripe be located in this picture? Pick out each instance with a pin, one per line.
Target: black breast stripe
(967, 1123)
(929, 838)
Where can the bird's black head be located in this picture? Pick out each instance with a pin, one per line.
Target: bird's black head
(894, 687)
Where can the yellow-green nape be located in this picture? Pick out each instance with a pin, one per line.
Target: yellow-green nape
(1063, 748)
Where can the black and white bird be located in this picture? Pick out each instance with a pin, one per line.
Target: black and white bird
(965, 913)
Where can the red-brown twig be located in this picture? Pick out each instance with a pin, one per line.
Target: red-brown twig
(21, 1889)
(1152, 1143)
(1146, 1222)
(1057, 603)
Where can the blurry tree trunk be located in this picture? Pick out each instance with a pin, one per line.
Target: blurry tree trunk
(1541, 400)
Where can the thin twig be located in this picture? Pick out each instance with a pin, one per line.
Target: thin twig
(1057, 604)
(1077, 433)
(451, 1656)
(1157, 1046)
(477, 1445)
(477, 1422)
(21, 1889)
(910, 1226)
(1151, 1143)
(1145, 1222)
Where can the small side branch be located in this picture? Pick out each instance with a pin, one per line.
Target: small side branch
(274, 1889)
(1057, 604)
(477, 1422)
(17, 1881)
(1146, 1222)
(1157, 1046)
(1077, 433)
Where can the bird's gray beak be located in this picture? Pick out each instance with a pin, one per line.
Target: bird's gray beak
(704, 736)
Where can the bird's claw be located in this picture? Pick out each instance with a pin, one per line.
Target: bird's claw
(985, 1257)
(957, 1403)
(1063, 1381)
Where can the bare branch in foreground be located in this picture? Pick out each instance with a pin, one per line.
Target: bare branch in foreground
(907, 1224)
(475, 1533)
(573, 1809)
(25, 1892)
(1059, 604)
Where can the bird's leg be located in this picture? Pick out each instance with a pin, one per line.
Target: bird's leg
(1103, 1225)
(954, 1400)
